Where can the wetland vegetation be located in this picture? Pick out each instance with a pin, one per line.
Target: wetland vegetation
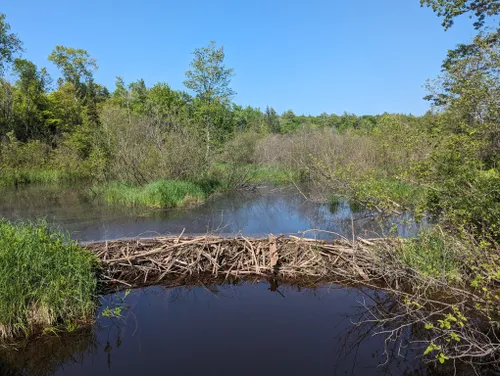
(156, 147)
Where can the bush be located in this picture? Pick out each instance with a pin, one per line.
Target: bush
(46, 281)
(434, 254)
(143, 151)
(241, 149)
(470, 203)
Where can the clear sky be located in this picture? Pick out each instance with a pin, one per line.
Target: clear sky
(311, 56)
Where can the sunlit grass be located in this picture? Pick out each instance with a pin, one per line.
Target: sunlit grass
(46, 280)
(158, 194)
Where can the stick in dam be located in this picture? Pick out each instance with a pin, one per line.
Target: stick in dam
(146, 261)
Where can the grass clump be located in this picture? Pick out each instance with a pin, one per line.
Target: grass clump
(158, 194)
(46, 281)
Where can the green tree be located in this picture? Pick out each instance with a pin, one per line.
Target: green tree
(65, 110)
(289, 122)
(272, 120)
(10, 44)
(469, 90)
(120, 96)
(208, 76)
(6, 107)
(30, 101)
(76, 65)
(138, 96)
(450, 9)
(463, 166)
(247, 119)
(210, 79)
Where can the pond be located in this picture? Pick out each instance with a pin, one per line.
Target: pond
(242, 328)
(266, 210)
(233, 329)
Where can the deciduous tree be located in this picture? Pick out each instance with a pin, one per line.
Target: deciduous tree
(450, 9)
(10, 44)
(210, 79)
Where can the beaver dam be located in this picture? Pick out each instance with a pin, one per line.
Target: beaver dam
(136, 262)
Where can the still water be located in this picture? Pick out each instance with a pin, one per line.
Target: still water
(266, 210)
(242, 329)
(247, 328)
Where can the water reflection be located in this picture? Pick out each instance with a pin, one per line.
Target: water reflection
(241, 328)
(45, 356)
(268, 210)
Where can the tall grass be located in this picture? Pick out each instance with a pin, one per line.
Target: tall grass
(158, 194)
(13, 177)
(46, 281)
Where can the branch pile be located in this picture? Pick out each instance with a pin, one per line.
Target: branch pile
(149, 261)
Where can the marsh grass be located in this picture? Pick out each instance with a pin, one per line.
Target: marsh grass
(158, 194)
(13, 177)
(47, 282)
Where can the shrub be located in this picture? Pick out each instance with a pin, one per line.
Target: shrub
(435, 254)
(241, 149)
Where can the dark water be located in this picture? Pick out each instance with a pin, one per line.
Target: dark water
(265, 211)
(243, 329)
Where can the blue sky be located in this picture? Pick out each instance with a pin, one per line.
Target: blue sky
(359, 56)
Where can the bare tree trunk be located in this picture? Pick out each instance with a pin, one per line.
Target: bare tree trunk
(207, 131)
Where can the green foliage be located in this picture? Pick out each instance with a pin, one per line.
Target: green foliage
(10, 44)
(30, 103)
(209, 78)
(449, 9)
(435, 254)
(76, 66)
(388, 194)
(46, 280)
(158, 194)
(463, 167)
(470, 201)
(272, 120)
